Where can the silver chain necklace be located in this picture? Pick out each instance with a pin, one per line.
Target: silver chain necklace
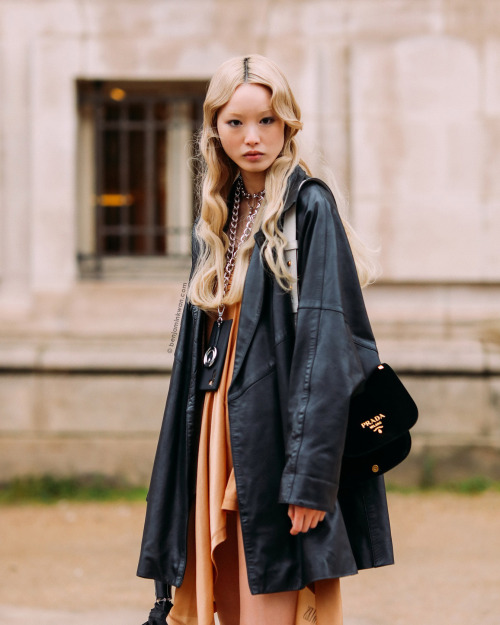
(254, 202)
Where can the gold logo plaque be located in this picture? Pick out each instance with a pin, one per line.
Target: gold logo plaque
(375, 424)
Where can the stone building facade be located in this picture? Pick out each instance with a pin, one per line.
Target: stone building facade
(402, 98)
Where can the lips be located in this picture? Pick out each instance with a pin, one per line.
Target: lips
(252, 154)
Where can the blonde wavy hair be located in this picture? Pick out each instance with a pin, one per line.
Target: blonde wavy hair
(218, 174)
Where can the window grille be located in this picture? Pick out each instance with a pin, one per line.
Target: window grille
(140, 139)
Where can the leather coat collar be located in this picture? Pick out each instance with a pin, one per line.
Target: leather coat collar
(294, 181)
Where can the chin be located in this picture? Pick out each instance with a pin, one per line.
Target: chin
(254, 168)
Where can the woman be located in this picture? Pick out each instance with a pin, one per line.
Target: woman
(246, 507)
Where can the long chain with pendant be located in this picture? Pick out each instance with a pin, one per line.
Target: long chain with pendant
(254, 202)
(220, 332)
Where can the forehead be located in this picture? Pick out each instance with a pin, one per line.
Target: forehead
(248, 98)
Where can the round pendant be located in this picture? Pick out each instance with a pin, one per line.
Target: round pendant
(210, 356)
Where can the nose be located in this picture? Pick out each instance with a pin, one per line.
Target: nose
(252, 136)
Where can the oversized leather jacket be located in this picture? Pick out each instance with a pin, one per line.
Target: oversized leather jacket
(288, 405)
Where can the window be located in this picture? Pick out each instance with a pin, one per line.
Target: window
(136, 172)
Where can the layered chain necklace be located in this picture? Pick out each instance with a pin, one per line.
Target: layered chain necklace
(254, 202)
(213, 360)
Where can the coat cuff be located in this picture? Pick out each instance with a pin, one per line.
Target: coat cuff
(309, 492)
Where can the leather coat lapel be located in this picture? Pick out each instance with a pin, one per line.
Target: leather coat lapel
(251, 305)
(294, 182)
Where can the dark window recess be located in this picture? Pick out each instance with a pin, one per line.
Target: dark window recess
(131, 124)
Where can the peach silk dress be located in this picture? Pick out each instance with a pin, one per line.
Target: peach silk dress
(216, 497)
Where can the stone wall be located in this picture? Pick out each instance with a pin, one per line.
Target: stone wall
(402, 98)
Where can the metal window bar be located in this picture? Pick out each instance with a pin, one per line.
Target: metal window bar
(124, 180)
(149, 174)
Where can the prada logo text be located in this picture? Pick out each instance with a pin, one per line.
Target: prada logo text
(375, 424)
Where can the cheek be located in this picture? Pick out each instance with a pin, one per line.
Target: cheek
(224, 138)
(220, 131)
(279, 138)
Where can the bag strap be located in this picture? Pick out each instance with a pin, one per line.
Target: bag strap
(291, 251)
(292, 247)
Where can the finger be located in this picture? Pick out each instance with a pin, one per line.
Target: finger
(292, 513)
(321, 516)
(316, 518)
(306, 523)
(296, 526)
(298, 522)
(308, 519)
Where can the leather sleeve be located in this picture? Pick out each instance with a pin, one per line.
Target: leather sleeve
(325, 366)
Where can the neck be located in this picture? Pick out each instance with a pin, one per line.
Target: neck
(254, 183)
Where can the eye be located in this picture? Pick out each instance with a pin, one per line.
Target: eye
(266, 121)
(234, 123)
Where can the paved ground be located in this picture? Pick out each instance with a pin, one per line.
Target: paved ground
(74, 564)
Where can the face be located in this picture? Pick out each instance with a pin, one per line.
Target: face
(251, 134)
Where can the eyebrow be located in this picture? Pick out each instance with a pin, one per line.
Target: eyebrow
(235, 114)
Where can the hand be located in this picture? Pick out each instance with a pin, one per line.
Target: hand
(304, 519)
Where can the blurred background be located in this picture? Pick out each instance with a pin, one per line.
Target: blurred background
(99, 103)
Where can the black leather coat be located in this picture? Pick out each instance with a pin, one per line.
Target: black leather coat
(288, 404)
